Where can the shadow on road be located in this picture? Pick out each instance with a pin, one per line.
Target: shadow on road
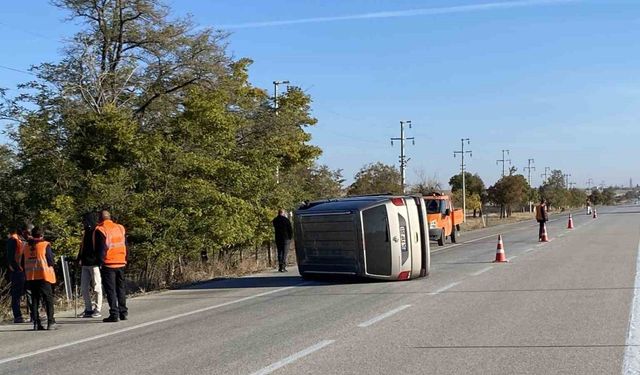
(275, 282)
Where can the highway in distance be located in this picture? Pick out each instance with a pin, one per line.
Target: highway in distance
(563, 307)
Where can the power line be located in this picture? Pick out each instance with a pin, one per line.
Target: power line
(16, 70)
(13, 27)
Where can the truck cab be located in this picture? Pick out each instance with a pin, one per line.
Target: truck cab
(444, 221)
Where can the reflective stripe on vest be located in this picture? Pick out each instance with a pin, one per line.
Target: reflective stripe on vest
(19, 250)
(35, 263)
(114, 235)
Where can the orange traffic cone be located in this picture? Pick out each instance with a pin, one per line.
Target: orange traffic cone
(545, 237)
(500, 256)
(595, 214)
(570, 225)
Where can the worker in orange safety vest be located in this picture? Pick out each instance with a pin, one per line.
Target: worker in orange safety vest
(110, 244)
(38, 262)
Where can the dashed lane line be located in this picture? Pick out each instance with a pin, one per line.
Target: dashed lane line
(292, 358)
(481, 271)
(446, 287)
(382, 316)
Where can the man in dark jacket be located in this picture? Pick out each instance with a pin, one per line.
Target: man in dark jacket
(15, 245)
(284, 234)
(542, 217)
(90, 278)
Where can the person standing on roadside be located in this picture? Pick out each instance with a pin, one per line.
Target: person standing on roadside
(110, 244)
(38, 262)
(542, 217)
(15, 248)
(283, 234)
(90, 276)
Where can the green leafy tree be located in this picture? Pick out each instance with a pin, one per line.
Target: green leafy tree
(577, 197)
(473, 185)
(320, 182)
(509, 191)
(555, 191)
(148, 116)
(376, 178)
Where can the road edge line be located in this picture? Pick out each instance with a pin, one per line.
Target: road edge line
(631, 359)
(142, 325)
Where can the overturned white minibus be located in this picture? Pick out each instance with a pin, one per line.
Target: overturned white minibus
(382, 237)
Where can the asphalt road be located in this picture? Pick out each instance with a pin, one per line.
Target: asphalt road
(561, 307)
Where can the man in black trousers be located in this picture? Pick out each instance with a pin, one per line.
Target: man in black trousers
(284, 234)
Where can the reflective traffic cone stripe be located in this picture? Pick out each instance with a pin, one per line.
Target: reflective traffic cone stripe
(500, 256)
(570, 225)
(545, 237)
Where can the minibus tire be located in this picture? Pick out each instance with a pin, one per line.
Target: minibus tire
(441, 239)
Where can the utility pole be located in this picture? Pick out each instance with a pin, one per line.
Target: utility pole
(529, 168)
(403, 159)
(464, 188)
(503, 160)
(275, 107)
(276, 84)
(545, 174)
(589, 183)
(566, 179)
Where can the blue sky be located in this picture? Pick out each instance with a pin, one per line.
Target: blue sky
(556, 81)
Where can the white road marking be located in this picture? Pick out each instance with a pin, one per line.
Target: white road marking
(446, 287)
(382, 316)
(292, 358)
(631, 361)
(481, 271)
(528, 250)
(513, 257)
(142, 325)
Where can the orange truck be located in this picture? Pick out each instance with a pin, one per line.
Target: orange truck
(444, 221)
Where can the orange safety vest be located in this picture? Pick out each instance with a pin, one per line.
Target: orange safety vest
(114, 235)
(539, 215)
(19, 251)
(35, 263)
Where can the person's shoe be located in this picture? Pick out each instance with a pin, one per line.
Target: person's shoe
(19, 320)
(52, 326)
(95, 314)
(123, 317)
(284, 269)
(38, 327)
(85, 314)
(111, 319)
